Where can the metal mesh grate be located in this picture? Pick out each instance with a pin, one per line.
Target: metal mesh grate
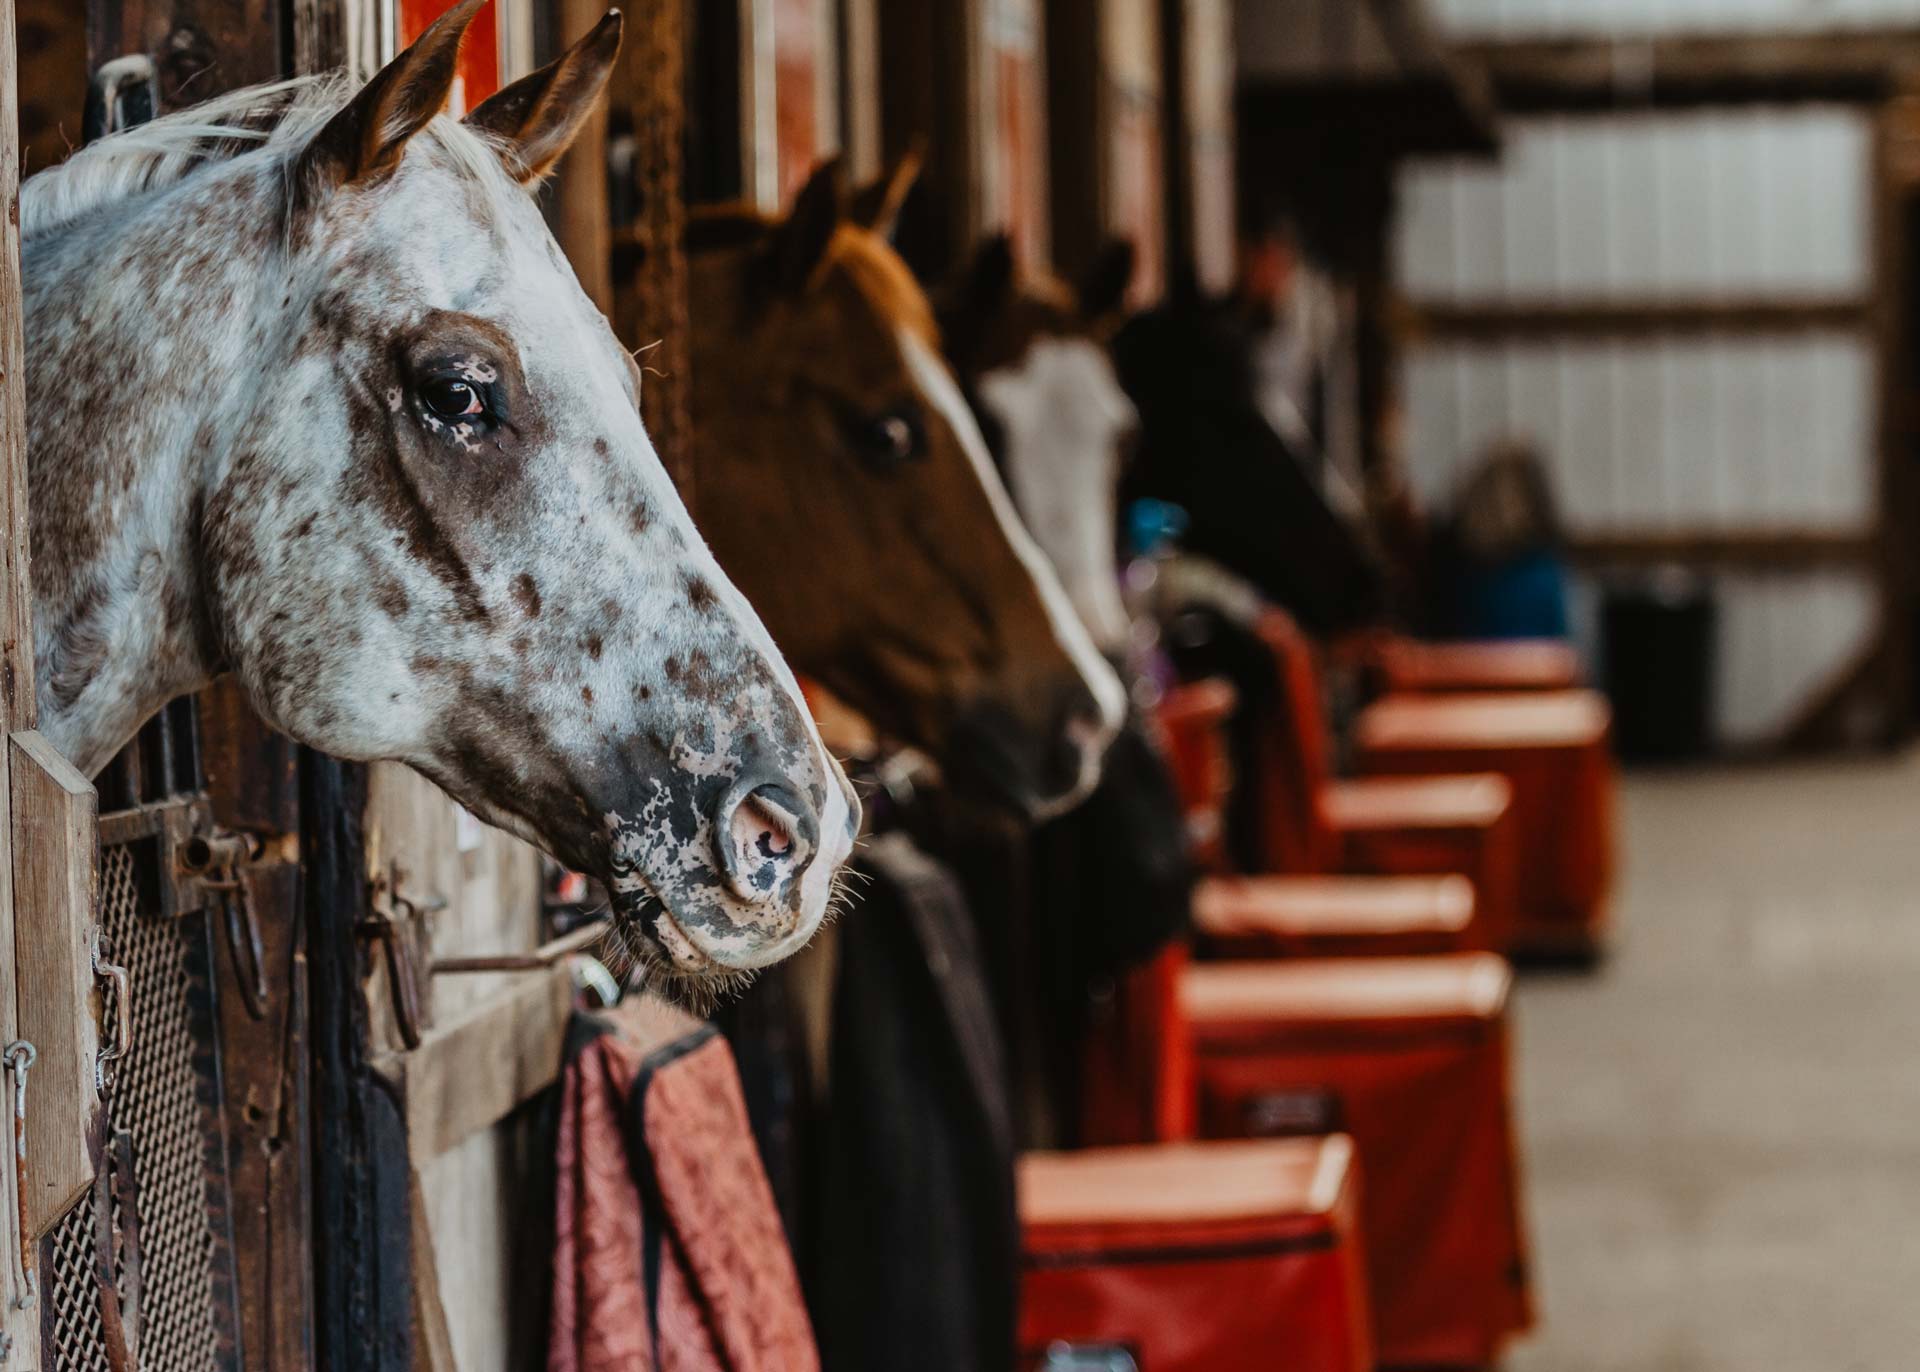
(165, 1253)
(74, 1342)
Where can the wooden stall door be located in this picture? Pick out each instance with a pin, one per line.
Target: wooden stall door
(197, 1208)
(61, 1084)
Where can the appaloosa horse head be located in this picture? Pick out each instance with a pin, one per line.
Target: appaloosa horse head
(852, 497)
(314, 398)
(1031, 353)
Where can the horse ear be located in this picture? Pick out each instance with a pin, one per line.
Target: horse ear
(800, 240)
(990, 275)
(1103, 289)
(538, 116)
(876, 205)
(366, 139)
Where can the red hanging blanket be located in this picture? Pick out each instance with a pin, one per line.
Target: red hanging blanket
(669, 1255)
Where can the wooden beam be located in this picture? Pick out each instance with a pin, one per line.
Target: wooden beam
(1514, 323)
(472, 1073)
(1753, 549)
(1573, 75)
(55, 877)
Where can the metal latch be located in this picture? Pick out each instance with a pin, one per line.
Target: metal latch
(217, 860)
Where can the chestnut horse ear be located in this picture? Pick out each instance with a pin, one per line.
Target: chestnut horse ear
(800, 240)
(538, 116)
(876, 205)
(1103, 289)
(366, 139)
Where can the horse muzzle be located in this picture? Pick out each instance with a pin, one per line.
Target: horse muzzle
(734, 879)
(1044, 760)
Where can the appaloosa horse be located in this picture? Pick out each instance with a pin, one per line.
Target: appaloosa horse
(855, 502)
(315, 399)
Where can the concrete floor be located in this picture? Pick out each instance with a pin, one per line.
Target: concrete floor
(1723, 1126)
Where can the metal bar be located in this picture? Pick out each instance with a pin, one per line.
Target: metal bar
(539, 960)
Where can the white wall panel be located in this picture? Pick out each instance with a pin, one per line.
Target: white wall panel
(1599, 18)
(1781, 640)
(1718, 433)
(1719, 203)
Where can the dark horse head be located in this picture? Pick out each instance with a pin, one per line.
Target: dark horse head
(1205, 445)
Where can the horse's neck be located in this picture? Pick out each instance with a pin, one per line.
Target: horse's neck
(135, 334)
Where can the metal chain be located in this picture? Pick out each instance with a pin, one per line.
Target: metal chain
(18, 1057)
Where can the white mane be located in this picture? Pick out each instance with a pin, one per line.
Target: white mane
(275, 119)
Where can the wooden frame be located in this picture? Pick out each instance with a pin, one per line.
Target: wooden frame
(49, 847)
(927, 91)
(1566, 76)
(1107, 93)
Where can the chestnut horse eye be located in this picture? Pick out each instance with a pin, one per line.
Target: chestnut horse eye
(892, 438)
(452, 399)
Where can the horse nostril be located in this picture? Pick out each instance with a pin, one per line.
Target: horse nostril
(767, 837)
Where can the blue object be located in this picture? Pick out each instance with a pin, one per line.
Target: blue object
(1152, 525)
(1524, 597)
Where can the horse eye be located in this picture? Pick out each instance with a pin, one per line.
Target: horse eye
(892, 438)
(452, 399)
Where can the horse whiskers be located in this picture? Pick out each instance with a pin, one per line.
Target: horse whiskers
(699, 994)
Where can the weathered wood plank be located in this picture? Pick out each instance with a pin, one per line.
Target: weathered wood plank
(253, 785)
(55, 878)
(20, 1327)
(476, 1070)
(1570, 75)
(16, 591)
(580, 188)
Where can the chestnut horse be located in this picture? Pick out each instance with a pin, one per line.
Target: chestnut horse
(850, 494)
(315, 399)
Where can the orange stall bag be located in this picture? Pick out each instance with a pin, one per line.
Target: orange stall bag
(1451, 821)
(1412, 667)
(1267, 915)
(1239, 1256)
(1554, 749)
(1409, 1057)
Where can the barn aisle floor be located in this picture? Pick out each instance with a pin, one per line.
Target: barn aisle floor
(1723, 1126)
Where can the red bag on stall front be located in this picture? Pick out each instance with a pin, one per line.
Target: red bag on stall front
(1201, 1257)
(1409, 1056)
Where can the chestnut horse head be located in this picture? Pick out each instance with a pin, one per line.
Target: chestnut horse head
(847, 489)
(315, 399)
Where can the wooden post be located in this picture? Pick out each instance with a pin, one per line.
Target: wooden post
(19, 1321)
(650, 276)
(55, 876)
(580, 209)
(47, 850)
